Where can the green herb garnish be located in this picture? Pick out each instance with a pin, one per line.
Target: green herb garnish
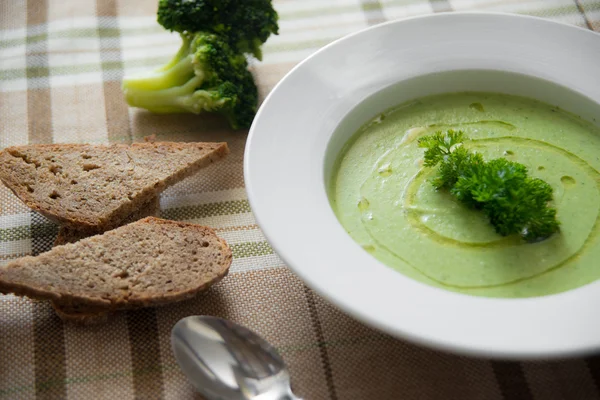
(513, 201)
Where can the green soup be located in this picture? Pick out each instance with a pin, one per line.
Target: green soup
(381, 194)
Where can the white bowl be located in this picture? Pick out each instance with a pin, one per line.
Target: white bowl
(306, 119)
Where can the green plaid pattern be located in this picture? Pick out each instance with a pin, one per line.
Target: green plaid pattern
(61, 62)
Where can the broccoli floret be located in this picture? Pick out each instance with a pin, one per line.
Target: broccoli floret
(206, 74)
(247, 24)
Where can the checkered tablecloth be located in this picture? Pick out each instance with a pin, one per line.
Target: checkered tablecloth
(61, 62)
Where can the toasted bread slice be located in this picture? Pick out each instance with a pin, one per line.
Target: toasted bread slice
(69, 234)
(149, 262)
(96, 187)
(83, 315)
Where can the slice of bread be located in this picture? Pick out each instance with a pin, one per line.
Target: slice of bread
(89, 315)
(146, 263)
(69, 234)
(96, 187)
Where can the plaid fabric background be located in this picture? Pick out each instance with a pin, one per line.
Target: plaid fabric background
(61, 62)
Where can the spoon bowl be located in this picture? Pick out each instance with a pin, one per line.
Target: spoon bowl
(226, 361)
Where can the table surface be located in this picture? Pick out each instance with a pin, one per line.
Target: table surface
(61, 62)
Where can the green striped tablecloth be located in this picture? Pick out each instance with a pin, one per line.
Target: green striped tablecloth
(61, 62)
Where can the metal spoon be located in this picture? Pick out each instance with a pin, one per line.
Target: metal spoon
(225, 361)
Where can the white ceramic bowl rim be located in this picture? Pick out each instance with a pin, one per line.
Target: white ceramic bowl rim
(284, 170)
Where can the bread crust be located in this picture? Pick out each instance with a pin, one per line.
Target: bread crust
(69, 234)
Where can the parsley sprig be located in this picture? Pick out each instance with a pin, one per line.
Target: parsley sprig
(513, 201)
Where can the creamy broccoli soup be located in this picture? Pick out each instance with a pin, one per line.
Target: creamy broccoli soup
(382, 195)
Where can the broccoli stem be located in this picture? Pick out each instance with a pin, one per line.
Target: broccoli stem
(170, 100)
(184, 50)
(175, 73)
